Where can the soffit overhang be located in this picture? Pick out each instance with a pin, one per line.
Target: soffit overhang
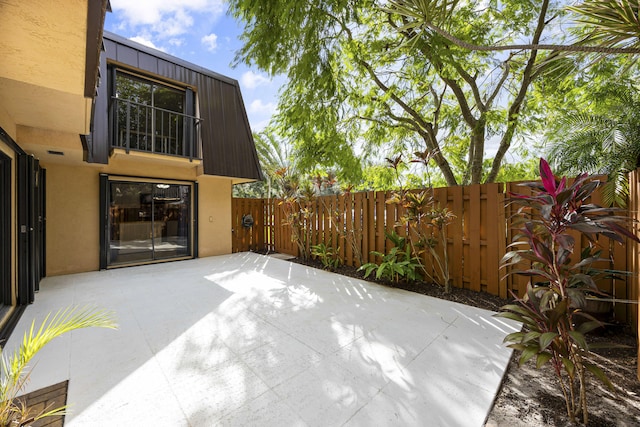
(45, 70)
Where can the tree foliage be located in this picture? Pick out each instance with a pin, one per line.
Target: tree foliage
(597, 130)
(362, 78)
(274, 155)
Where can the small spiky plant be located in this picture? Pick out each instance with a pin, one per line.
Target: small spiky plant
(15, 370)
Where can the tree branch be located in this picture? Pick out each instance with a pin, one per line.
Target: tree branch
(425, 128)
(533, 46)
(472, 84)
(514, 110)
(503, 78)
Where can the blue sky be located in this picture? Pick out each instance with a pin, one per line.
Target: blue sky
(198, 31)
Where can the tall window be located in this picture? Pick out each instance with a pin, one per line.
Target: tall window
(153, 117)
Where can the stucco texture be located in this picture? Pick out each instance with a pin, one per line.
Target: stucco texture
(73, 210)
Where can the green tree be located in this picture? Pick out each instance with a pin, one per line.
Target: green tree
(358, 74)
(276, 157)
(601, 136)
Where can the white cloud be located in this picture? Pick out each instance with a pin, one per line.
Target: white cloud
(210, 42)
(176, 42)
(259, 107)
(164, 18)
(251, 80)
(258, 127)
(145, 41)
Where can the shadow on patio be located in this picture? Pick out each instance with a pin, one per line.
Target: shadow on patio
(246, 339)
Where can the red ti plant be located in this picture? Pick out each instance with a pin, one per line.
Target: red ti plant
(550, 311)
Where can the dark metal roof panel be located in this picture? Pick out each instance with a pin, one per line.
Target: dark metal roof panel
(228, 148)
(166, 57)
(98, 152)
(228, 123)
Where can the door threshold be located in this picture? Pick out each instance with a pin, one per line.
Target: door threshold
(158, 261)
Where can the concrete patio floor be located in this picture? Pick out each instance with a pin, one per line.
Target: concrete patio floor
(246, 339)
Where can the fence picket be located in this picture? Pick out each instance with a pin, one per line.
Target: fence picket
(456, 233)
(492, 265)
(380, 224)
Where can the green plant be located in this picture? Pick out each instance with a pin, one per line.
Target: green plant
(327, 255)
(550, 311)
(607, 141)
(15, 370)
(426, 223)
(298, 210)
(398, 263)
(351, 235)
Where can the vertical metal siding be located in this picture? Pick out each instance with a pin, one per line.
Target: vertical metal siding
(227, 143)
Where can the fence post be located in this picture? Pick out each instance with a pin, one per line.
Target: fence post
(502, 243)
(492, 238)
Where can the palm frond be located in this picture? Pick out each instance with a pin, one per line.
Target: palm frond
(614, 23)
(14, 369)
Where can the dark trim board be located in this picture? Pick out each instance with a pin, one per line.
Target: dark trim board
(195, 219)
(10, 324)
(6, 195)
(96, 13)
(30, 222)
(104, 220)
(4, 136)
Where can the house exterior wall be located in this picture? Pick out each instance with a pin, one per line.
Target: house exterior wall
(43, 47)
(7, 123)
(214, 216)
(72, 219)
(47, 105)
(73, 209)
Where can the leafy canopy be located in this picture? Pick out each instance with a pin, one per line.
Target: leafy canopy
(363, 80)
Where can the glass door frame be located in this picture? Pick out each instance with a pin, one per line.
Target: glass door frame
(6, 242)
(105, 222)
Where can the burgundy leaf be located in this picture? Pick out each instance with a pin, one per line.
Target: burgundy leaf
(566, 241)
(621, 230)
(548, 179)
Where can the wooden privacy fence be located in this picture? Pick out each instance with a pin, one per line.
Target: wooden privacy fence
(477, 239)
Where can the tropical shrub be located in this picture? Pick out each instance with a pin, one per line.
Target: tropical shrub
(328, 256)
(398, 264)
(15, 370)
(298, 210)
(552, 312)
(426, 223)
(352, 236)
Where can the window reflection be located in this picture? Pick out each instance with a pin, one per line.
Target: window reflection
(150, 116)
(148, 222)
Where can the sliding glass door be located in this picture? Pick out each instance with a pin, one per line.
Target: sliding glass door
(148, 221)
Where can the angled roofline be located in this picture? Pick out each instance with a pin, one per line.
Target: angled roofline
(170, 58)
(228, 148)
(96, 12)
